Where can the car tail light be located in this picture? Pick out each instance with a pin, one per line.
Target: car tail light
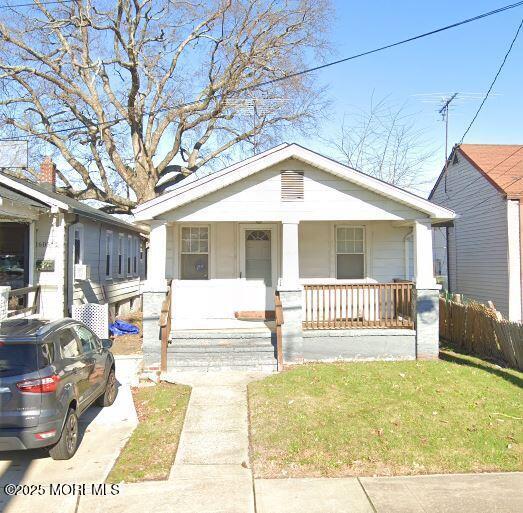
(45, 435)
(39, 385)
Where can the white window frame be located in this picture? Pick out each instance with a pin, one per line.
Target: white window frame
(109, 251)
(129, 256)
(181, 252)
(121, 253)
(336, 253)
(80, 228)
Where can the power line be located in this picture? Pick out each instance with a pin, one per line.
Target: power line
(32, 4)
(299, 73)
(494, 80)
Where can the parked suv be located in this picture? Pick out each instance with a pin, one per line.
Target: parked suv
(50, 373)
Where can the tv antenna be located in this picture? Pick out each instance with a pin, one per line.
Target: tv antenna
(444, 111)
(255, 108)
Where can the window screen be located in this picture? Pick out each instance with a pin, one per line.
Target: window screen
(350, 253)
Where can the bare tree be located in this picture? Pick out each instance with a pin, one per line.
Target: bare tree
(386, 143)
(122, 88)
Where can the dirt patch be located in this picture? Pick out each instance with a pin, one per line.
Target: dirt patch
(129, 344)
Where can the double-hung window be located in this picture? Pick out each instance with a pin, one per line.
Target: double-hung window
(129, 254)
(120, 254)
(350, 252)
(78, 244)
(108, 254)
(135, 255)
(195, 253)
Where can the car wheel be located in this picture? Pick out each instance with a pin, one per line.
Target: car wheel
(66, 447)
(110, 392)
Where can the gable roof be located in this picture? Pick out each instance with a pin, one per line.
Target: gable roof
(186, 192)
(500, 164)
(52, 199)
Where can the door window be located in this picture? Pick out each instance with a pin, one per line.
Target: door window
(87, 339)
(258, 265)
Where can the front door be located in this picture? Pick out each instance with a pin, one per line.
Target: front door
(258, 264)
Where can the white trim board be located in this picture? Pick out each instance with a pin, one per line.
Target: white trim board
(186, 193)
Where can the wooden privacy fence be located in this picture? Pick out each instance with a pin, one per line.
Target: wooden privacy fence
(362, 305)
(478, 329)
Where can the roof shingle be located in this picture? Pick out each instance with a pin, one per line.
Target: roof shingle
(502, 164)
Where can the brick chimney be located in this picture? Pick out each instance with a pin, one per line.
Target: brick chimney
(47, 175)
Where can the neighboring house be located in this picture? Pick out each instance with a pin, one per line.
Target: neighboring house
(483, 256)
(322, 235)
(74, 252)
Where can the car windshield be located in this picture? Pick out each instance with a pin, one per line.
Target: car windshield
(17, 359)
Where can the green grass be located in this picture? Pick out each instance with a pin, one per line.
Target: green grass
(150, 452)
(459, 414)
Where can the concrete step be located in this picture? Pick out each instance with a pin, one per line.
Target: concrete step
(221, 349)
(225, 368)
(245, 349)
(221, 334)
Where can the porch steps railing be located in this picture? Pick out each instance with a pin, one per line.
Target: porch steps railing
(278, 314)
(30, 306)
(361, 305)
(165, 326)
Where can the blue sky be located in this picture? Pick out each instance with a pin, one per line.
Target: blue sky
(464, 59)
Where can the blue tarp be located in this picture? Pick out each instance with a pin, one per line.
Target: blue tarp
(118, 328)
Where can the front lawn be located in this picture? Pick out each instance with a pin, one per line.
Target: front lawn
(459, 414)
(150, 452)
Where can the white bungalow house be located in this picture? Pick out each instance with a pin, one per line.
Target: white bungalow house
(349, 256)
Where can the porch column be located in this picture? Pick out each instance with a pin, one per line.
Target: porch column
(423, 258)
(426, 293)
(291, 294)
(154, 290)
(157, 255)
(290, 276)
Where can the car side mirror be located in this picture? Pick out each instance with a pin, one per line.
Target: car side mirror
(107, 343)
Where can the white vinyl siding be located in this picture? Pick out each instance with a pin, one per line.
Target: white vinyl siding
(478, 254)
(257, 198)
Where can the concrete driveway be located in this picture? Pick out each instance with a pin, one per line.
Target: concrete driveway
(103, 432)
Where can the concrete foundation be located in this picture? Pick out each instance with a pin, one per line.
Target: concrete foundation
(359, 344)
(152, 305)
(292, 330)
(426, 311)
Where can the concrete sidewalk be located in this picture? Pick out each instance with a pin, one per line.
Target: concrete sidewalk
(104, 432)
(463, 493)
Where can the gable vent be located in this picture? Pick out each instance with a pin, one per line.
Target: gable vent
(292, 186)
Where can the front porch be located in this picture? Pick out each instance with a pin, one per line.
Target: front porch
(348, 290)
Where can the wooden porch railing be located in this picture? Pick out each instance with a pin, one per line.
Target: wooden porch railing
(165, 326)
(27, 309)
(278, 314)
(362, 305)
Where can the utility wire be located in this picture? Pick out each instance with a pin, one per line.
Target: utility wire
(33, 4)
(293, 75)
(493, 81)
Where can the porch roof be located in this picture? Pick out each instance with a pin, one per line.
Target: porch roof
(193, 189)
